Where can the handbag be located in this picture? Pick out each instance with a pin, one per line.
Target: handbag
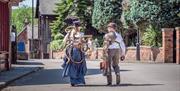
(104, 66)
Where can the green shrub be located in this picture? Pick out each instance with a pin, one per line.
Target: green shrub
(58, 36)
(152, 37)
(55, 45)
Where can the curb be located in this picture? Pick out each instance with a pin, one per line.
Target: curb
(5, 84)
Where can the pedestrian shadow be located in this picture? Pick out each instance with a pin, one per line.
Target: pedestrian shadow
(98, 71)
(126, 84)
(50, 76)
(121, 85)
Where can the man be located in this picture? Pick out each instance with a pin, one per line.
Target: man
(13, 45)
(116, 50)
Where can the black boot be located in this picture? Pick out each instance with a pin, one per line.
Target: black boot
(109, 80)
(118, 79)
(74, 85)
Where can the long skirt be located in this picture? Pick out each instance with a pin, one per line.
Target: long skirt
(75, 68)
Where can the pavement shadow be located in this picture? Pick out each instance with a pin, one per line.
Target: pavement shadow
(42, 77)
(29, 63)
(15, 73)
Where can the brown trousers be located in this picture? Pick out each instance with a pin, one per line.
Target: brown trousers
(113, 59)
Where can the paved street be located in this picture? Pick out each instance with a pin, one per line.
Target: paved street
(135, 76)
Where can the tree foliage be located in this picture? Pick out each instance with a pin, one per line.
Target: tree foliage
(66, 8)
(159, 13)
(19, 15)
(141, 12)
(168, 15)
(155, 13)
(105, 11)
(98, 13)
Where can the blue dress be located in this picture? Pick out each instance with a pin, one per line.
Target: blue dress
(76, 71)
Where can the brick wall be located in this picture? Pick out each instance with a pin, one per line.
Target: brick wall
(163, 54)
(58, 55)
(147, 54)
(167, 36)
(178, 45)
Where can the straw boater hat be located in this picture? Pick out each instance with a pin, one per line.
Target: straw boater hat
(112, 25)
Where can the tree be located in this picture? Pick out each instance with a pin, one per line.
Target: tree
(62, 10)
(153, 12)
(19, 15)
(168, 15)
(83, 9)
(66, 8)
(141, 12)
(105, 11)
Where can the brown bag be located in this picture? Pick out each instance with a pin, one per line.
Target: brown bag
(103, 67)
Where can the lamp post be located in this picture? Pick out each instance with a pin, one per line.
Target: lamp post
(138, 45)
(32, 46)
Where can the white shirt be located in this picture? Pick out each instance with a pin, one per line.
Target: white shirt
(71, 35)
(13, 36)
(116, 45)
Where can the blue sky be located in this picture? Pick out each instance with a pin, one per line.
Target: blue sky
(26, 2)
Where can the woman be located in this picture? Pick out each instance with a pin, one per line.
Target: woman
(74, 60)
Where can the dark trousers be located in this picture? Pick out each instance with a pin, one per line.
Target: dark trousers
(13, 53)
